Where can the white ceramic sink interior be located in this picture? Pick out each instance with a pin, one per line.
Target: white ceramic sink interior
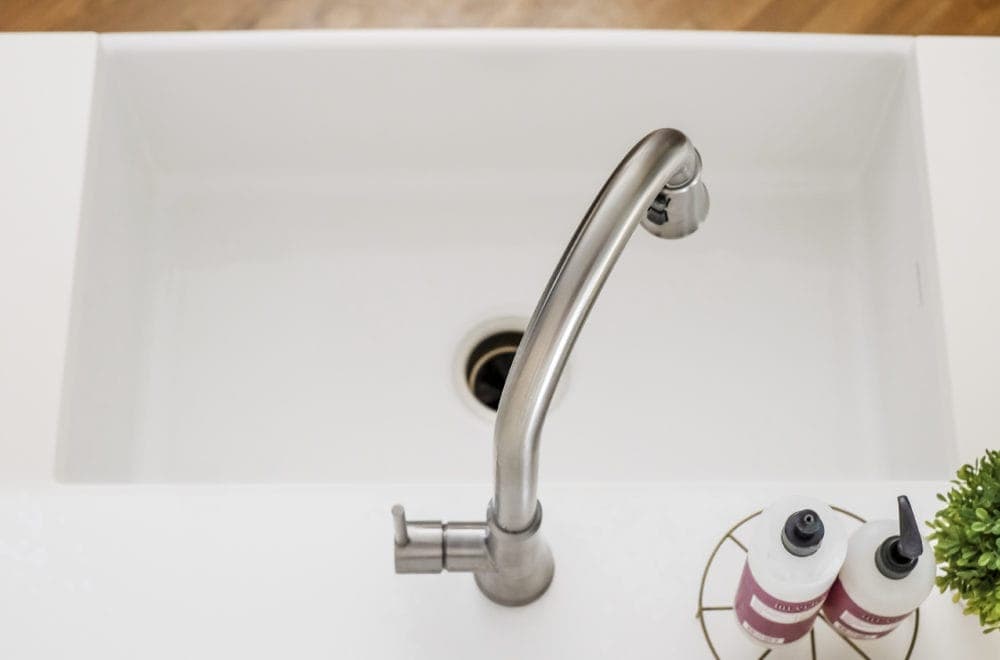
(287, 242)
(285, 247)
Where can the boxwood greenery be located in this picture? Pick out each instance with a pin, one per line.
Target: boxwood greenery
(966, 535)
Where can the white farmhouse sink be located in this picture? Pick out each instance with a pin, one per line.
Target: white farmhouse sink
(240, 275)
(287, 240)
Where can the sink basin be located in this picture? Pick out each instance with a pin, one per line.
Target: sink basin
(288, 243)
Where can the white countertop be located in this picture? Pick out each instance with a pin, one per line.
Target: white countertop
(306, 572)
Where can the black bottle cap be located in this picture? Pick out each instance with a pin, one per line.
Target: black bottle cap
(803, 533)
(898, 555)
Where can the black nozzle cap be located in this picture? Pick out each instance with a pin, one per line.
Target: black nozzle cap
(803, 533)
(898, 555)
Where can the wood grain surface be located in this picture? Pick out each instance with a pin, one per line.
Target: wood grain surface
(854, 16)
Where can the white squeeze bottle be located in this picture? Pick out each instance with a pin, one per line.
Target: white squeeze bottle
(794, 556)
(883, 579)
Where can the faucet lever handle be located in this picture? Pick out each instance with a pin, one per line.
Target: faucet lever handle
(418, 545)
(431, 546)
(402, 537)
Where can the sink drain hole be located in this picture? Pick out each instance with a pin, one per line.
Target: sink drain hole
(488, 365)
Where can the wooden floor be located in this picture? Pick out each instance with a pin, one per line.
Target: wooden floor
(856, 16)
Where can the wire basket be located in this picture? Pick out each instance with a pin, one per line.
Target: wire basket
(732, 642)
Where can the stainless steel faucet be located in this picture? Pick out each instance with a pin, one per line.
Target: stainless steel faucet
(658, 183)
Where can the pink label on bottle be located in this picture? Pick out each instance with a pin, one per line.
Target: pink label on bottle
(852, 620)
(769, 619)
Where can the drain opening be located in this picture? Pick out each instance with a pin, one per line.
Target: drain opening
(488, 365)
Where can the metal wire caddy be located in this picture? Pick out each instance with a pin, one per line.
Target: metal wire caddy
(731, 537)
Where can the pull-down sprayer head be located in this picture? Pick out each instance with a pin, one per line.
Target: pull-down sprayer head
(680, 207)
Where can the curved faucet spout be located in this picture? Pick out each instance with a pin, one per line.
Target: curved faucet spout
(658, 184)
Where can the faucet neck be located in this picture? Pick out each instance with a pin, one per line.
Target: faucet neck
(655, 163)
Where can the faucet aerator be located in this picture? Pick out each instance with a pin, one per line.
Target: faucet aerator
(678, 211)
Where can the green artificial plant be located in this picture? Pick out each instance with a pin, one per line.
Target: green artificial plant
(967, 539)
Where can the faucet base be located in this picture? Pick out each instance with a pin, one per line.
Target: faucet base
(523, 563)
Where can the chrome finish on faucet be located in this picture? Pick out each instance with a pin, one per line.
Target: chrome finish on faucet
(430, 546)
(657, 184)
(523, 564)
(678, 210)
(646, 172)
